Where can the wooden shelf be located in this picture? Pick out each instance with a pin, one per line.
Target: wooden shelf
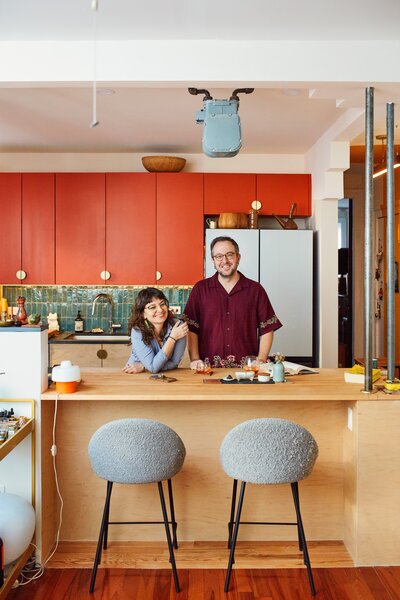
(15, 571)
(15, 439)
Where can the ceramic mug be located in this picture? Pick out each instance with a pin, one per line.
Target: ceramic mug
(212, 223)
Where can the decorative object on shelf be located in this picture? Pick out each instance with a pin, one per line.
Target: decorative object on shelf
(34, 319)
(288, 223)
(253, 214)
(21, 313)
(17, 525)
(212, 223)
(52, 321)
(278, 368)
(232, 221)
(163, 164)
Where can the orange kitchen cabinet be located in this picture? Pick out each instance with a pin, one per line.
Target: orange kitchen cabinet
(10, 226)
(277, 192)
(180, 233)
(131, 228)
(38, 228)
(80, 228)
(228, 192)
(27, 228)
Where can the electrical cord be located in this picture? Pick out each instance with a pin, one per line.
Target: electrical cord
(39, 568)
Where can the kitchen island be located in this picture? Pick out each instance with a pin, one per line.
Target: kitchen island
(352, 495)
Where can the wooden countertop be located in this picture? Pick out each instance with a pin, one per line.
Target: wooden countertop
(113, 384)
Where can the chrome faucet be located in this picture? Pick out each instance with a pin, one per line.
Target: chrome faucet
(109, 299)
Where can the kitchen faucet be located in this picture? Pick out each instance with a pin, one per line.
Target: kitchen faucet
(111, 303)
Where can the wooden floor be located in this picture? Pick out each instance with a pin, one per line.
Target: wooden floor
(367, 583)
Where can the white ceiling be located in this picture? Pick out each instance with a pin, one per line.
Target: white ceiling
(141, 118)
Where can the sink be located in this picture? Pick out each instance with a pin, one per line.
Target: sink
(98, 337)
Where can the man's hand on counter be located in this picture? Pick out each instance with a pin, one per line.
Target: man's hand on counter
(136, 367)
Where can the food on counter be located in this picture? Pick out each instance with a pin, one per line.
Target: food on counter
(97, 330)
(34, 319)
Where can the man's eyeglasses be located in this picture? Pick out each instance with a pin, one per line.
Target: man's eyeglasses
(227, 255)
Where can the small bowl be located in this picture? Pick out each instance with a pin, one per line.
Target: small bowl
(244, 375)
(163, 164)
(263, 378)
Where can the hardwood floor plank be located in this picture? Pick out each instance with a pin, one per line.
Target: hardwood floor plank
(367, 583)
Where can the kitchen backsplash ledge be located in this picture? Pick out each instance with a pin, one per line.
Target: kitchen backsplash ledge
(67, 300)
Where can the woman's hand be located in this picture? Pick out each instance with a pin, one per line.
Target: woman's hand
(179, 330)
(136, 367)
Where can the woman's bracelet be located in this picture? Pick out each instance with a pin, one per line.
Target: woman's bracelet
(172, 338)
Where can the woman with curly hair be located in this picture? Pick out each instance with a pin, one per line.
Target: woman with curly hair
(158, 338)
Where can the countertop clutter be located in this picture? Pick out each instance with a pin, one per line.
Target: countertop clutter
(88, 337)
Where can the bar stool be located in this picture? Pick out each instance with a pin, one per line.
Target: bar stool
(267, 451)
(136, 451)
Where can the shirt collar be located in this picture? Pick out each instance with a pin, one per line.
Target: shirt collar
(240, 285)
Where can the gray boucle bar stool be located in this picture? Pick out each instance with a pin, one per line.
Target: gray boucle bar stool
(136, 451)
(267, 451)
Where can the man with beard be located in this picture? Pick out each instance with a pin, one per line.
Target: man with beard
(229, 315)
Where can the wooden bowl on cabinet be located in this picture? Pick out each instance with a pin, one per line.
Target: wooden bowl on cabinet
(163, 164)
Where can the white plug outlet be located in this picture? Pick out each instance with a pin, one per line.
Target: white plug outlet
(2, 488)
(350, 419)
(175, 309)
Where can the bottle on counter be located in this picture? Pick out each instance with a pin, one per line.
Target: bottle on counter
(78, 322)
(21, 313)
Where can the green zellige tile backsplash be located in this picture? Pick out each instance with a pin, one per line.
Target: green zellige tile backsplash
(67, 300)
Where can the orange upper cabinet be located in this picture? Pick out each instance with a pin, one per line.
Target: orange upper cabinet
(80, 228)
(27, 242)
(228, 192)
(180, 234)
(131, 228)
(10, 226)
(38, 228)
(277, 192)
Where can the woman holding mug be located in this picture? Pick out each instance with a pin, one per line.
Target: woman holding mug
(158, 338)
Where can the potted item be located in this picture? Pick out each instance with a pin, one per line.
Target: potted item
(278, 368)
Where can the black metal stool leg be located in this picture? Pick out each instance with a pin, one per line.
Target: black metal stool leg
(235, 534)
(233, 506)
(296, 499)
(105, 537)
(173, 521)
(104, 523)
(168, 534)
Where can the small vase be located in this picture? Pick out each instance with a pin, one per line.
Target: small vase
(278, 372)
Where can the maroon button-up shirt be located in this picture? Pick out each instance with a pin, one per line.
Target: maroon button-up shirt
(228, 325)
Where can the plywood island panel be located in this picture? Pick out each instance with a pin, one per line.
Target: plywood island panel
(337, 499)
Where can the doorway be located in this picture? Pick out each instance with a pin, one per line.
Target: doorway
(345, 287)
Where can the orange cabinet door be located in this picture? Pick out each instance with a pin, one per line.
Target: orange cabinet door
(10, 226)
(277, 192)
(80, 228)
(38, 228)
(180, 235)
(131, 228)
(228, 192)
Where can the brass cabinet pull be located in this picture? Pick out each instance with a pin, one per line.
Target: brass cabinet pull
(20, 275)
(158, 275)
(105, 275)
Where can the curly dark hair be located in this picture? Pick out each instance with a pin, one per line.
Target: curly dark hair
(137, 319)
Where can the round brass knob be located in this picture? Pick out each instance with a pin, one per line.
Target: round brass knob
(105, 275)
(256, 205)
(20, 275)
(102, 353)
(158, 275)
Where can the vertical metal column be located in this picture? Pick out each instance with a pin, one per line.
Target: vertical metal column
(369, 238)
(390, 240)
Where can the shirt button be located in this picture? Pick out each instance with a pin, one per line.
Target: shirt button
(227, 328)
(227, 313)
(227, 345)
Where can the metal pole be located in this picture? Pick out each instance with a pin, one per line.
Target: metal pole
(390, 240)
(369, 239)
